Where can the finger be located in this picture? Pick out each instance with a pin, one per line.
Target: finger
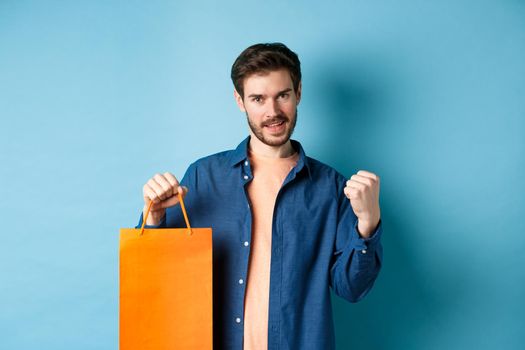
(351, 193)
(170, 202)
(355, 191)
(181, 190)
(166, 186)
(368, 174)
(173, 200)
(174, 183)
(362, 179)
(172, 180)
(157, 188)
(150, 194)
(356, 184)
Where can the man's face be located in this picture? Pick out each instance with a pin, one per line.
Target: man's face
(270, 103)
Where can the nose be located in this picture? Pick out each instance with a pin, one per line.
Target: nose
(273, 108)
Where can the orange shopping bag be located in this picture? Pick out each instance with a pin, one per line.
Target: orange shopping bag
(166, 287)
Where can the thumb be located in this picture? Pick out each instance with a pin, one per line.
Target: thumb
(174, 199)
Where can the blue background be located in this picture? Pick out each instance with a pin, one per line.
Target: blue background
(97, 96)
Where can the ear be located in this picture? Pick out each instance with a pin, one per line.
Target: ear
(298, 93)
(239, 100)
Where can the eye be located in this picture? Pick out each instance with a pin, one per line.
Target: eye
(257, 99)
(284, 95)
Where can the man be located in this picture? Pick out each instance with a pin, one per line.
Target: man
(285, 226)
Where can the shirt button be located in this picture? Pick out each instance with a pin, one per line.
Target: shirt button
(363, 251)
(246, 243)
(238, 320)
(246, 177)
(241, 281)
(246, 163)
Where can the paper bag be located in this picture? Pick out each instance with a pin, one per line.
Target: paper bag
(166, 287)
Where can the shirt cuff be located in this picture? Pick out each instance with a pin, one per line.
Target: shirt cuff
(369, 243)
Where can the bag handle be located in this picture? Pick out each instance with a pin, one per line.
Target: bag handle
(183, 212)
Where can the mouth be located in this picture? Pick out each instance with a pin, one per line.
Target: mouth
(275, 127)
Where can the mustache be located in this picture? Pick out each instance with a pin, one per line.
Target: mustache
(276, 119)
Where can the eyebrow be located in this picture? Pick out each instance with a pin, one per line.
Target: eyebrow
(279, 93)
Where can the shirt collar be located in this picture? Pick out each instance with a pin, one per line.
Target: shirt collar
(241, 154)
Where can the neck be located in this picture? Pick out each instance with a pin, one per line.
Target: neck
(262, 149)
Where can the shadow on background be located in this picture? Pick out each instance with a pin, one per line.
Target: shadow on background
(356, 100)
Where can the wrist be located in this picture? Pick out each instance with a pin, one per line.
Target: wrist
(367, 227)
(154, 217)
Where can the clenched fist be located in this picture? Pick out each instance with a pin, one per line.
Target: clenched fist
(363, 191)
(163, 190)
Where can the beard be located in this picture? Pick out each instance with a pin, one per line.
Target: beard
(273, 140)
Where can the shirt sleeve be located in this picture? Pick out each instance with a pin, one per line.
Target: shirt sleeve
(356, 261)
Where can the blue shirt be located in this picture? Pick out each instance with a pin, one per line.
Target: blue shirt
(315, 246)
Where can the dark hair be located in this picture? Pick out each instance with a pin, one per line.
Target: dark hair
(262, 58)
